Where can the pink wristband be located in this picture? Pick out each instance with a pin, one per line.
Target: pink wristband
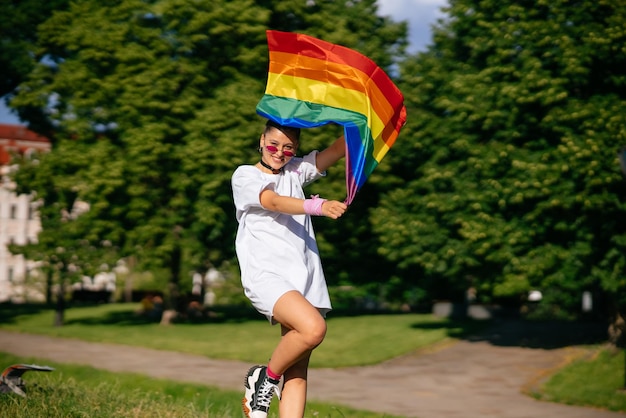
(313, 206)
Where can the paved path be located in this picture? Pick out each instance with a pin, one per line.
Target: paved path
(468, 379)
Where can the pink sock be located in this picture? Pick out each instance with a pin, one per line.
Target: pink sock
(271, 374)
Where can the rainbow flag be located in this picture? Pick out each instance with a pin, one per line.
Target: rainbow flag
(313, 83)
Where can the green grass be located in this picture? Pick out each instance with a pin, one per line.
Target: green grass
(596, 381)
(249, 340)
(79, 391)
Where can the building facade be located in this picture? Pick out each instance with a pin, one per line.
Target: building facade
(19, 220)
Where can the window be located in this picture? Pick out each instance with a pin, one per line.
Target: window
(13, 212)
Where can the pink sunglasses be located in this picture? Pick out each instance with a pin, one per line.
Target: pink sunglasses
(273, 150)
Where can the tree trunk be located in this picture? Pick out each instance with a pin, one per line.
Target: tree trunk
(128, 279)
(49, 277)
(175, 263)
(617, 327)
(617, 330)
(60, 309)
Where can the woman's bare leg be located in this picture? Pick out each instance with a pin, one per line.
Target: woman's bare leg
(308, 327)
(294, 392)
(303, 328)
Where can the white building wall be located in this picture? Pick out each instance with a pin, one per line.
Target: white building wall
(19, 224)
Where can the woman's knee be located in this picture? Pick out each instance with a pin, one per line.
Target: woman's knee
(314, 334)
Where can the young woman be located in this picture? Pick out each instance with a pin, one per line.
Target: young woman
(281, 270)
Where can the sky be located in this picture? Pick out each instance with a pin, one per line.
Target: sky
(420, 15)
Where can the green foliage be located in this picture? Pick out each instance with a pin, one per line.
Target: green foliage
(504, 178)
(151, 106)
(509, 176)
(18, 38)
(129, 92)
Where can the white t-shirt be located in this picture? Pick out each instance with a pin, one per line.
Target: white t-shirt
(277, 252)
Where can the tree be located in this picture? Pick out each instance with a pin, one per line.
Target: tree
(64, 249)
(511, 179)
(127, 81)
(18, 32)
(18, 40)
(153, 106)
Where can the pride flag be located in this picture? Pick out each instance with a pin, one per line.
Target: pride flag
(313, 83)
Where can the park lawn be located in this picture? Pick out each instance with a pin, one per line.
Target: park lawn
(598, 380)
(82, 391)
(248, 340)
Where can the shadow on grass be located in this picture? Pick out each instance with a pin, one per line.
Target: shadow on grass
(223, 314)
(548, 334)
(506, 331)
(465, 329)
(9, 312)
(516, 332)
